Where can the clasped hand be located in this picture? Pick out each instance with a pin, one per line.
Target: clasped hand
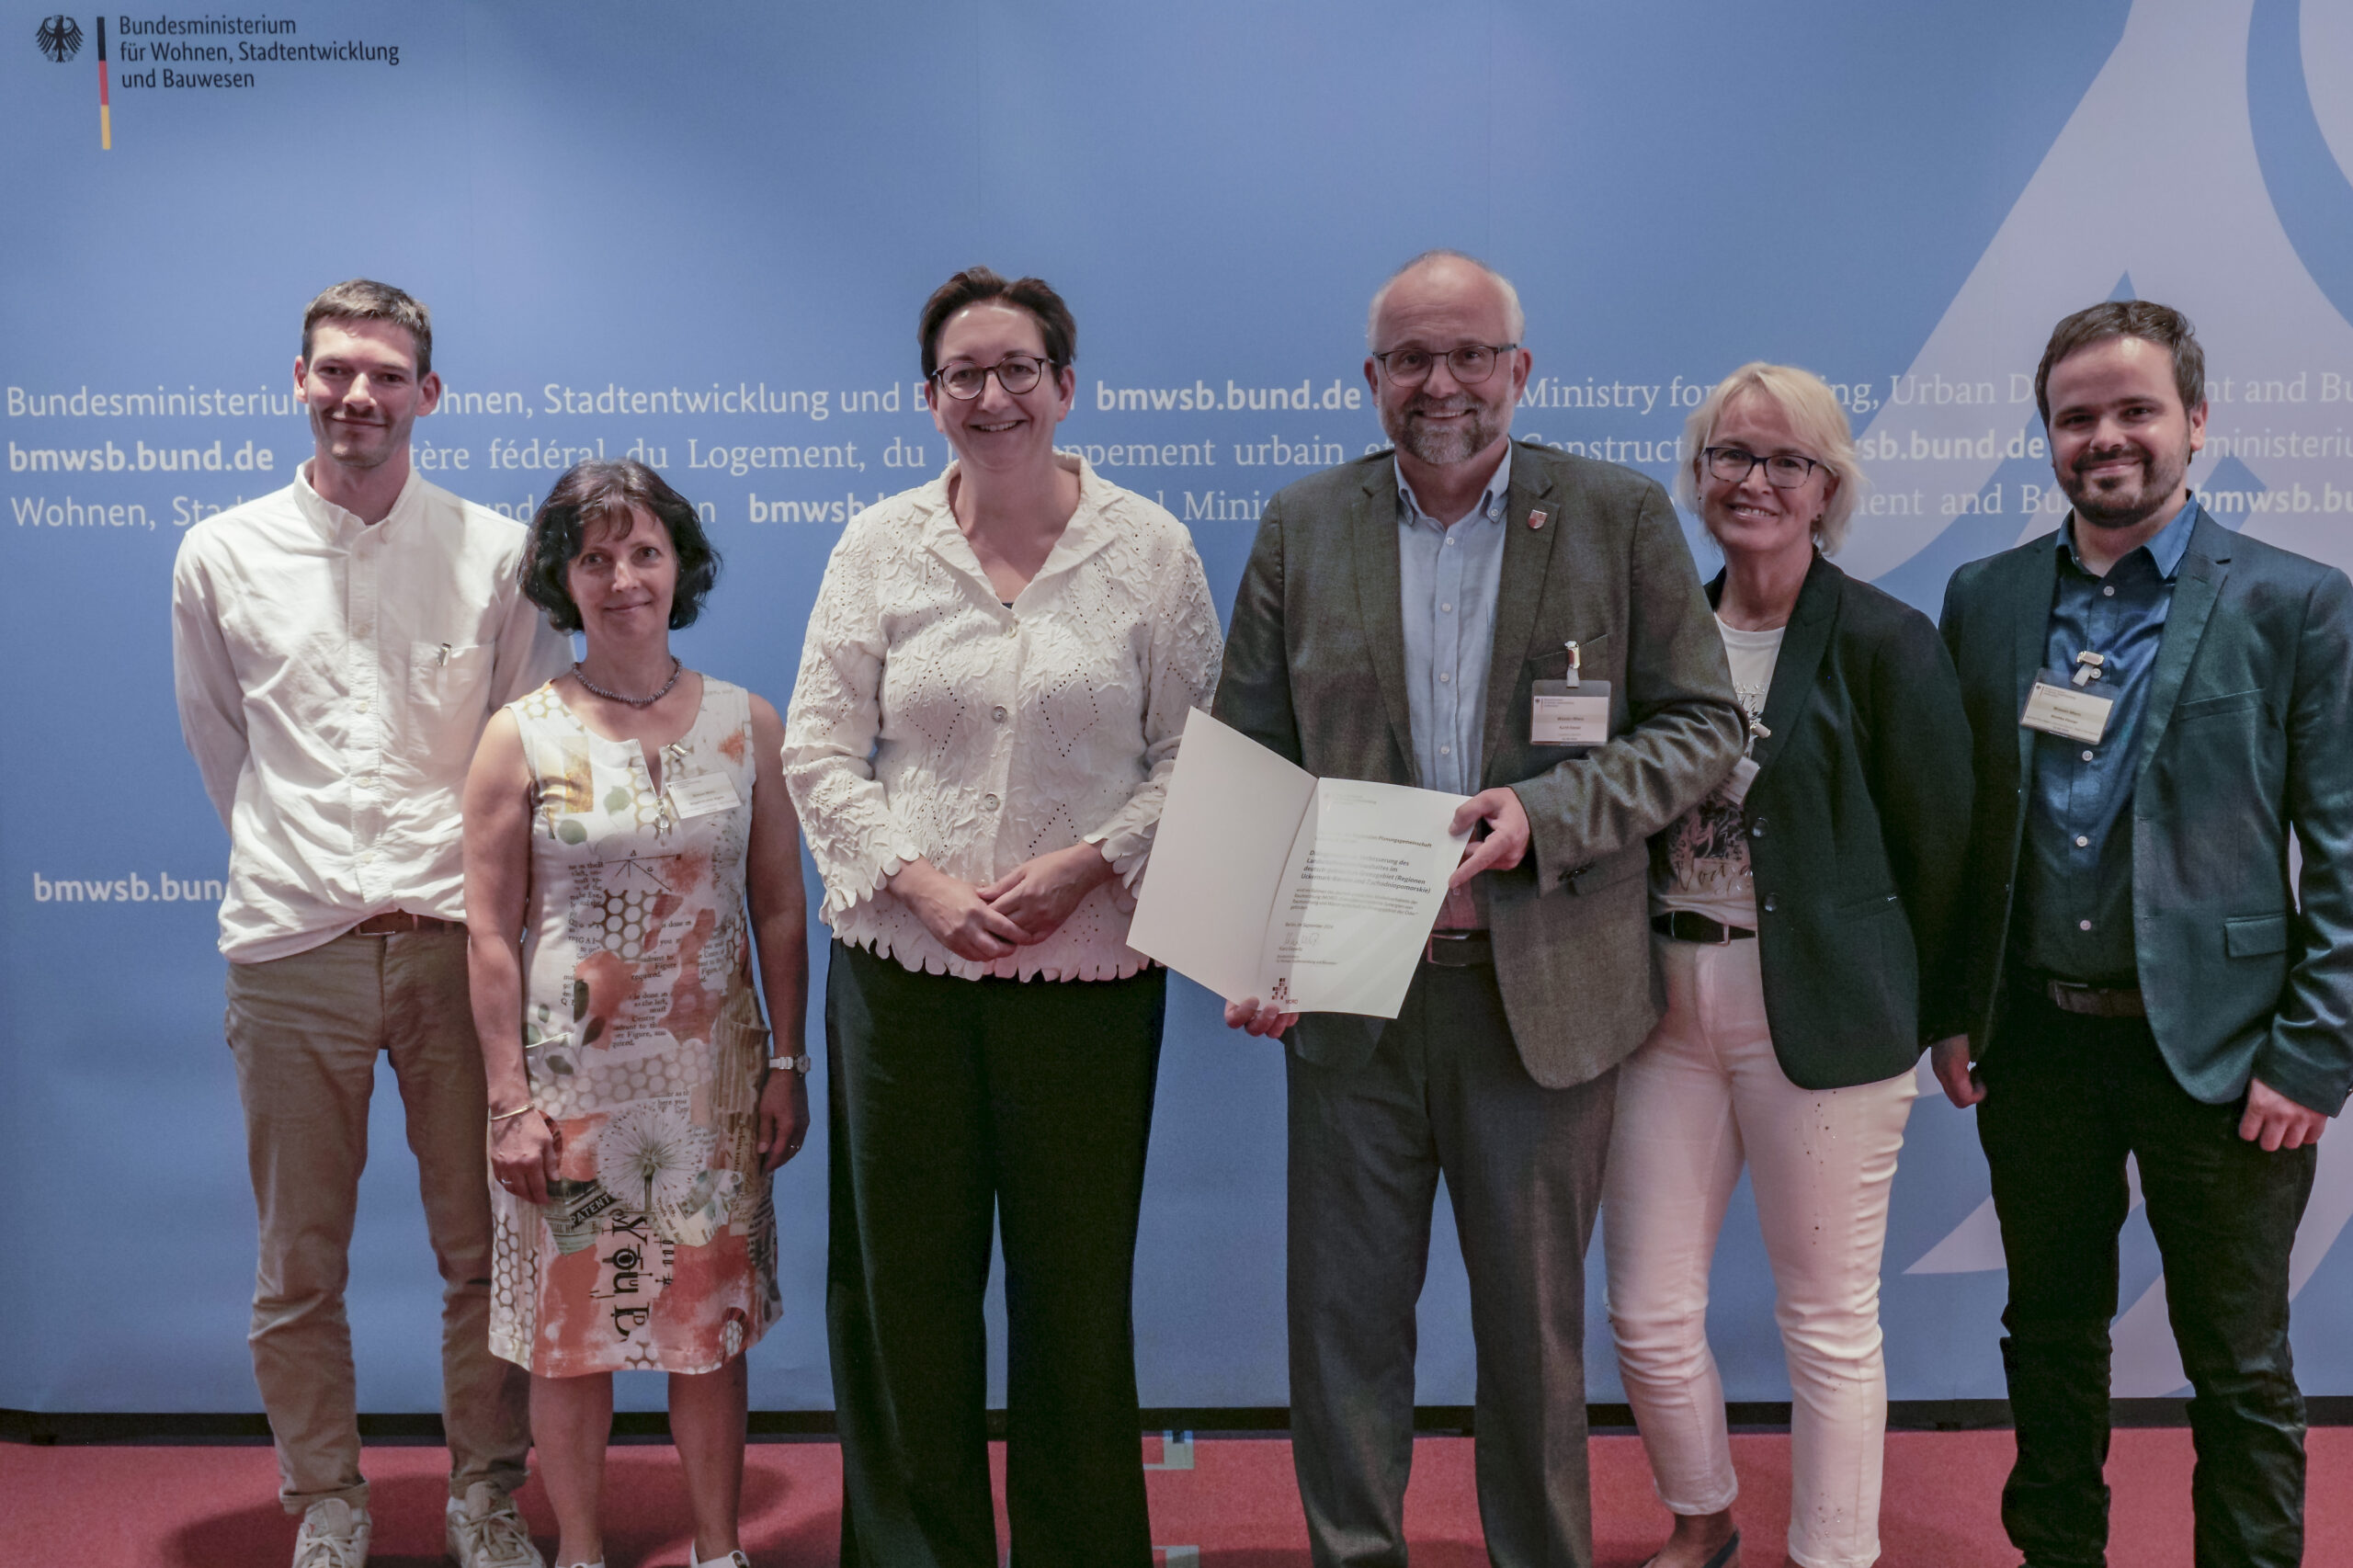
(1021, 908)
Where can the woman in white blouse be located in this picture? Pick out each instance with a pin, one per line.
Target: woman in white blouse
(996, 673)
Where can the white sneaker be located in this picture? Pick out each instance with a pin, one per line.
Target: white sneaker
(733, 1560)
(334, 1535)
(485, 1531)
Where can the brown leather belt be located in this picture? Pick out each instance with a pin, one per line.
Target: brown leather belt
(1686, 926)
(1462, 948)
(400, 923)
(2096, 1001)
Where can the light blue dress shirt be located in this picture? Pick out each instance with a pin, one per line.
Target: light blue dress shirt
(1448, 579)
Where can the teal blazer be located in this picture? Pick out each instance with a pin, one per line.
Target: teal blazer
(2247, 737)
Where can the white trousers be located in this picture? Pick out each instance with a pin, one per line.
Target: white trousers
(1700, 1098)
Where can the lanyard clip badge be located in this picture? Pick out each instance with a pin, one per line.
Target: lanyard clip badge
(2070, 708)
(1576, 665)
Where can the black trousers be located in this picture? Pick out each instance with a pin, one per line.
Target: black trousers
(1444, 1094)
(953, 1105)
(2066, 1098)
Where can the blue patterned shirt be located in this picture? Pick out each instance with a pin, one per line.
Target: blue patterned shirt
(2075, 909)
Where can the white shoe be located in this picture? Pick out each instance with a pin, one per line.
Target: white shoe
(485, 1531)
(334, 1535)
(733, 1560)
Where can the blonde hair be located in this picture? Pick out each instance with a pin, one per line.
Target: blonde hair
(1820, 424)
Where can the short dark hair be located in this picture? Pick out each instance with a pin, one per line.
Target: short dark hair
(975, 284)
(606, 492)
(364, 298)
(2145, 319)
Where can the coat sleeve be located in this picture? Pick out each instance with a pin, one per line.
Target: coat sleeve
(1921, 773)
(1181, 666)
(1686, 729)
(2308, 1055)
(830, 728)
(1254, 693)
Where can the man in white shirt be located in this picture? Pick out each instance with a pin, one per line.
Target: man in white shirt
(338, 647)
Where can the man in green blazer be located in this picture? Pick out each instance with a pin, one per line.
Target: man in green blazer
(1390, 626)
(2156, 704)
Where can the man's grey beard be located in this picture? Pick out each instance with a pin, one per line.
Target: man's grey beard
(1440, 448)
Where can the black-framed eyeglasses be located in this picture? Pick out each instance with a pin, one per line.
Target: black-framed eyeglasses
(1469, 365)
(1017, 374)
(1783, 470)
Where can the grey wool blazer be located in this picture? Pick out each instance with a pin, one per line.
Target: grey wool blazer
(1316, 671)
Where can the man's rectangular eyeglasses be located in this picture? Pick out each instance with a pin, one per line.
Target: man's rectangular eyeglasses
(1017, 374)
(1469, 365)
(1783, 470)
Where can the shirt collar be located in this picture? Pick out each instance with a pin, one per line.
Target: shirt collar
(333, 520)
(1490, 500)
(1089, 529)
(2166, 549)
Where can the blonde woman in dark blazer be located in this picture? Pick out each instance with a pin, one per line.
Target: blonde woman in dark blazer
(1802, 913)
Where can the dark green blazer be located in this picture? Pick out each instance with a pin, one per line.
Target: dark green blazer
(2248, 736)
(1857, 827)
(1316, 671)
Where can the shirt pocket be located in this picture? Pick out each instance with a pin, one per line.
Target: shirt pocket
(1593, 653)
(448, 701)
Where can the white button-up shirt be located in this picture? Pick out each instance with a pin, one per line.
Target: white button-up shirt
(334, 677)
(930, 720)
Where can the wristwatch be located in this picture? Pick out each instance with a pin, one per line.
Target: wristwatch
(799, 1064)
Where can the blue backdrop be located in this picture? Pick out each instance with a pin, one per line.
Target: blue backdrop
(703, 232)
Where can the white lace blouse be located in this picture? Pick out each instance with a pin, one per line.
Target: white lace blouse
(931, 720)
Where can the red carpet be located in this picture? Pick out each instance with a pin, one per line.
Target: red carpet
(1223, 1504)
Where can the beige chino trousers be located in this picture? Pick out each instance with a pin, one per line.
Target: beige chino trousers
(305, 1031)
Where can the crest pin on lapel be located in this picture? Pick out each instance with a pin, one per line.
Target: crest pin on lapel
(1537, 516)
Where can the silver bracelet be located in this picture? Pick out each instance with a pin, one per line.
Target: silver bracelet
(799, 1064)
(505, 1114)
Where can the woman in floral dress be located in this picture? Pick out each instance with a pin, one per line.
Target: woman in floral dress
(620, 819)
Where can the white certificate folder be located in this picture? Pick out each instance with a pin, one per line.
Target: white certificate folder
(1314, 894)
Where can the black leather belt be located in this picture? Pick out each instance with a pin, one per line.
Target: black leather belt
(1685, 926)
(1459, 949)
(400, 923)
(2094, 1001)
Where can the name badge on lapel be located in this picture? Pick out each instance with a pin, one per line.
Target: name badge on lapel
(1573, 712)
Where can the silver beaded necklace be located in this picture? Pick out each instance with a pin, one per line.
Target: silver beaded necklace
(677, 669)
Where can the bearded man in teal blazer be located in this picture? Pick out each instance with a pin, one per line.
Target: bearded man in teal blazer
(2156, 704)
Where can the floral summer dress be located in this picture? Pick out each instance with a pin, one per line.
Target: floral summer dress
(645, 1048)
